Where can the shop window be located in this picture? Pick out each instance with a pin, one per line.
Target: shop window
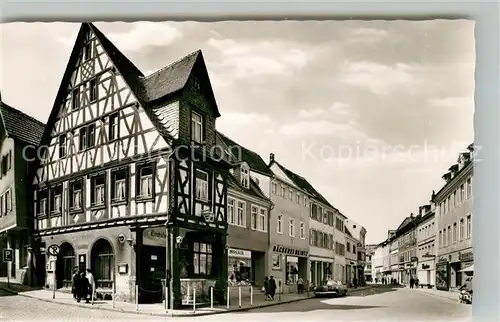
(292, 269)
(202, 259)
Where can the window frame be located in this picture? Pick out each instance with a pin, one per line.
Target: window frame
(139, 179)
(254, 217)
(93, 191)
(262, 215)
(243, 209)
(245, 176)
(291, 227)
(62, 144)
(197, 123)
(71, 197)
(207, 253)
(205, 185)
(126, 182)
(75, 98)
(93, 89)
(56, 191)
(279, 224)
(114, 127)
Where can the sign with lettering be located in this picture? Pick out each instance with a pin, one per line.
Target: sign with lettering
(156, 236)
(290, 251)
(239, 253)
(464, 257)
(7, 255)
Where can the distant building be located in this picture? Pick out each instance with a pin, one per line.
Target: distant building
(17, 132)
(454, 223)
(426, 235)
(407, 249)
(351, 257)
(359, 232)
(369, 273)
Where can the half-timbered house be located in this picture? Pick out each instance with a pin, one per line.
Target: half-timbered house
(19, 135)
(128, 185)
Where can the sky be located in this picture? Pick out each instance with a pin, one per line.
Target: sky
(372, 113)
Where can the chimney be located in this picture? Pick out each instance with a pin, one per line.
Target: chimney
(411, 215)
(271, 157)
(433, 196)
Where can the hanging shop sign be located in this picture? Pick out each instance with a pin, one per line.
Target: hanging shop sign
(465, 257)
(156, 236)
(290, 251)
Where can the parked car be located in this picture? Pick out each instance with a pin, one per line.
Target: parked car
(330, 288)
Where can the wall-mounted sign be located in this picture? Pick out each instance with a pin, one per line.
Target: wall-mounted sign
(156, 236)
(425, 266)
(239, 253)
(123, 268)
(290, 251)
(465, 257)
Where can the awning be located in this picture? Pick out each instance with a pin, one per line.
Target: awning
(468, 269)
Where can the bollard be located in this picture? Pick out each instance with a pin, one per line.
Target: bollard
(165, 297)
(211, 297)
(93, 293)
(194, 300)
(188, 291)
(137, 297)
(251, 295)
(239, 296)
(114, 297)
(228, 297)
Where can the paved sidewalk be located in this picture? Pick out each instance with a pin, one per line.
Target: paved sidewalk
(65, 298)
(451, 295)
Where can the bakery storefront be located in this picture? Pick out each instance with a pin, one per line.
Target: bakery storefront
(288, 264)
(240, 270)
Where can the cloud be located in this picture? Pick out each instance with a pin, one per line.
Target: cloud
(260, 58)
(336, 109)
(141, 35)
(453, 102)
(347, 131)
(370, 35)
(236, 119)
(379, 78)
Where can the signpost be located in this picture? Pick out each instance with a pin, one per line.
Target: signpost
(53, 251)
(7, 258)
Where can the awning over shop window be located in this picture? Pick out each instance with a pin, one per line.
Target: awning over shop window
(468, 269)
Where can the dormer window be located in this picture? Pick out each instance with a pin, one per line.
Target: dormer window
(196, 127)
(245, 176)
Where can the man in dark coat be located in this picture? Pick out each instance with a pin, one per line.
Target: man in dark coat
(75, 283)
(272, 287)
(83, 288)
(266, 288)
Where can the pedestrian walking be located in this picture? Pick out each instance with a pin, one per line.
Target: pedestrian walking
(272, 287)
(355, 282)
(83, 288)
(266, 288)
(92, 286)
(74, 283)
(300, 285)
(412, 281)
(416, 282)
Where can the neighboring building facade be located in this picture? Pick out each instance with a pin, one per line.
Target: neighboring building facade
(359, 233)
(247, 216)
(351, 257)
(378, 262)
(289, 224)
(454, 223)
(119, 188)
(426, 243)
(17, 131)
(370, 252)
(407, 249)
(394, 256)
(340, 249)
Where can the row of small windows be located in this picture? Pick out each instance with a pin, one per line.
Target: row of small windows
(426, 231)
(300, 199)
(427, 249)
(92, 88)
(349, 248)
(120, 190)
(236, 215)
(407, 256)
(458, 196)
(407, 239)
(291, 227)
(87, 135)
(456, 232)
(320, 239)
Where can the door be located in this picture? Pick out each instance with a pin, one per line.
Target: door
(153, 260)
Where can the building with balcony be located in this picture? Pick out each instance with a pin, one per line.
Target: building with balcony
(454, 223)
(426, 244)
(19, 133)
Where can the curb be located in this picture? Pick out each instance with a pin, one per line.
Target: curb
(156, 314)
(440, 296)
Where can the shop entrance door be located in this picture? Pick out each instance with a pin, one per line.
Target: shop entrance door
(152, 271)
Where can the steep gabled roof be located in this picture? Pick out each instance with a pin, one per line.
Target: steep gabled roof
(253, 160)
(253, 190)
(21, 126)
(302, 183)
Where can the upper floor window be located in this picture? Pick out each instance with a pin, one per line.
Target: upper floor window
(291, 231)
(93, 93)
(6, 202)
(76, 196)
(114, 126)
(196, 127)
(230, 211)
(42, 202)
(298, 198)
(240, 214)
(454, 232)
(262, 219)
(144, 181)
(201, 185)
(282, 191)
(302, 230)
(314, 211)
(119, 190)
(62, 146)
(254, 217)
(469, 188)
(469, 226)
(6, 162)
(196, 83)
(279, 224)
(87, 51)
(461, 235)
(56, 199)
(98, 190)
(462, 192)
(348, 244)
(75, 98)
(290, 194)
(87, 137)
(274, 188)
(354, 249)
(245, 176)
